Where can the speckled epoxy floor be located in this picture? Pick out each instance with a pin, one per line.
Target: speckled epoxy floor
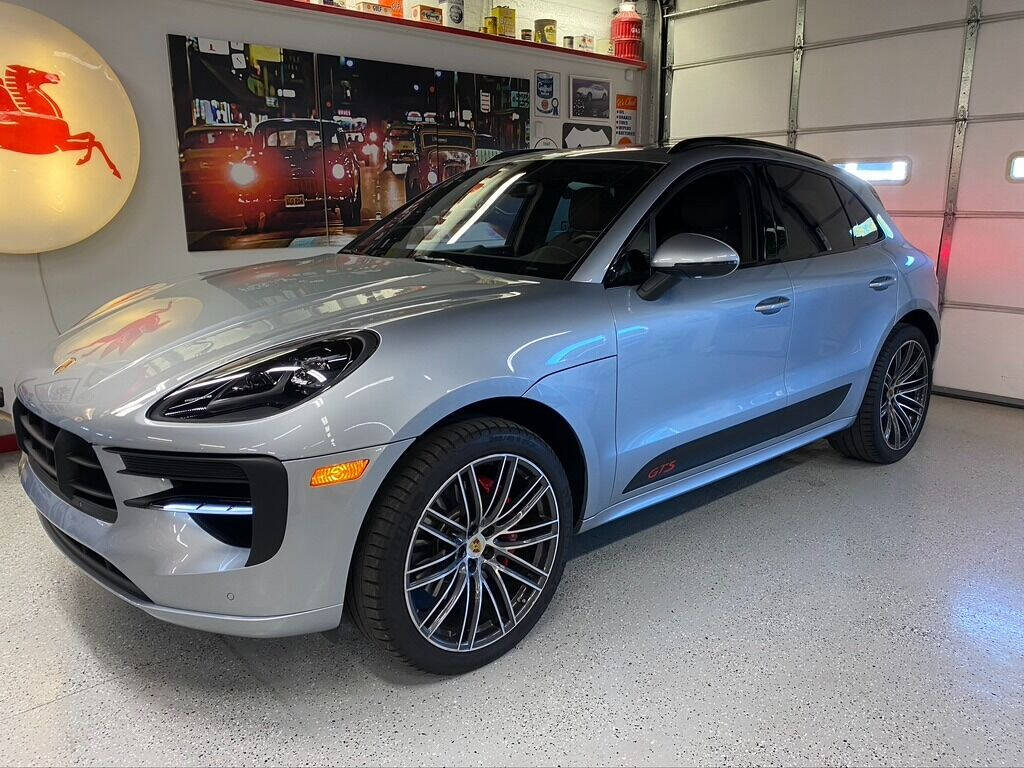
(811, 611)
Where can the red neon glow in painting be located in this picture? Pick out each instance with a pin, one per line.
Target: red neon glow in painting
(32, 123)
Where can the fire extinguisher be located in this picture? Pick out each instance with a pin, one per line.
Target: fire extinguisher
(627, 33)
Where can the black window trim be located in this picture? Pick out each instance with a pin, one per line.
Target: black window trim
(835, 183)
(746, 165)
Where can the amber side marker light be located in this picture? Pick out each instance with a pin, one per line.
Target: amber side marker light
(338, 473)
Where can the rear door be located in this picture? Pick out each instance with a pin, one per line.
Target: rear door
(844, 286)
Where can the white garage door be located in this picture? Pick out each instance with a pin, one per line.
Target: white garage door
(926, 91)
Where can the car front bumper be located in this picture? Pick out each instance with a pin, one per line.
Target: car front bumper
(167, 565)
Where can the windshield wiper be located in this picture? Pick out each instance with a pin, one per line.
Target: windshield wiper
(426, 258)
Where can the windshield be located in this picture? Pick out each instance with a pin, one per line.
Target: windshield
(535, 217)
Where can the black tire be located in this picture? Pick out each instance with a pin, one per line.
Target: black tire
(377, 581)
(864, 439)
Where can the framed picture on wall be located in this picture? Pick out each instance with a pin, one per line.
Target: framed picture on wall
(591, 98)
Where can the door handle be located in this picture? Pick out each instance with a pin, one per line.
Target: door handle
(772, 305)
(882, 282)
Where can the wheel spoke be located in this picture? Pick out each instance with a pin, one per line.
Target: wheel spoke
(533, 541)
(425, 580)
(907, 402)
(506, 599)
(435, 561)
(436, 533)
(450, 603)
(440, 600)
(445, 519)
(494, 602)
(472, 501)
(522, 506)
(502, 489)
(517, 576)
(478, 603)
(906, 389)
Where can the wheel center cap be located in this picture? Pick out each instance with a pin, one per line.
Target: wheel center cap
(476, 545)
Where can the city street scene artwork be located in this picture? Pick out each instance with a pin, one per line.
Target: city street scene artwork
(278, 147)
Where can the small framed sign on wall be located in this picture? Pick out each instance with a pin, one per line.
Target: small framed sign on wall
(591, 98)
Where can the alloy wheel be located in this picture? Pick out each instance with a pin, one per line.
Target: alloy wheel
(482, 552)
(904, 395)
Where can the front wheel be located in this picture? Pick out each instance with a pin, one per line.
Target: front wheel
(895, 403)
(464, 546)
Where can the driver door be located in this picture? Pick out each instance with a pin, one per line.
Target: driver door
(701, 369)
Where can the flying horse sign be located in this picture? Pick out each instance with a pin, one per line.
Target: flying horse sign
(69, 143)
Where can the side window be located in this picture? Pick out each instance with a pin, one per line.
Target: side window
(718, 204)
(811, 219)
(862, 224)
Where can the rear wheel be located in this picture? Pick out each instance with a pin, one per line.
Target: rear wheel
(464, 546)
(896, 401)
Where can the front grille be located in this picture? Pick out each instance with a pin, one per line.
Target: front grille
(92, 562)
(65, 463)
(257, 482)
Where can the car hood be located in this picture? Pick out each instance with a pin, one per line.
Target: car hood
(133, 350)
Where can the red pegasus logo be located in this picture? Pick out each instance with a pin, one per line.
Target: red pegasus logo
(32, 123)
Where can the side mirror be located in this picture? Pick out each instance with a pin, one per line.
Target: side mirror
(688, 255)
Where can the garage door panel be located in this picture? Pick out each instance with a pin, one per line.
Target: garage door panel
(986, 263)
(927, 147)
(913, 77)
(924, 233)
(978, 352)
(984, 181)
(996, 87)
(746, 29)
(834, 19)
(992, 7)
(732, 97)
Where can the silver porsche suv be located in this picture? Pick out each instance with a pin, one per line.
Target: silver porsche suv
(415, 428)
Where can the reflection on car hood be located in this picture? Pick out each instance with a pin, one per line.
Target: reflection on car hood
(148, 341)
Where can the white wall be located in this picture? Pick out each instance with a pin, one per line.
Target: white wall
(146, 241)
(881, 78)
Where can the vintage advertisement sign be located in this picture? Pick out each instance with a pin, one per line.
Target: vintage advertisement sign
(547, 93)
(69, 142)
(625, 118)
(581, 135)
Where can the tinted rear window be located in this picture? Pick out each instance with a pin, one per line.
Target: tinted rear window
(811, 214)
(862, 223)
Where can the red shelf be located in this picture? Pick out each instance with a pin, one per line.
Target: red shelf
(345, 12)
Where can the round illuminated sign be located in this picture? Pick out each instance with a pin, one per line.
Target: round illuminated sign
(69, 142)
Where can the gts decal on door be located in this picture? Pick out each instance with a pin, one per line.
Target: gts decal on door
(740, 437)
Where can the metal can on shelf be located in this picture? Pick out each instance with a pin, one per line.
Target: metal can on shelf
(526, 34)
(491, 25)
(506, 17)
(568, 41)
(545, 31)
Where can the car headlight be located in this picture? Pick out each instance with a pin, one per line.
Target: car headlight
(338, 171)
(432, 177)
(242, 174)
(269, 382)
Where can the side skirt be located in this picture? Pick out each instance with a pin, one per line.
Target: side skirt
(711, 474)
